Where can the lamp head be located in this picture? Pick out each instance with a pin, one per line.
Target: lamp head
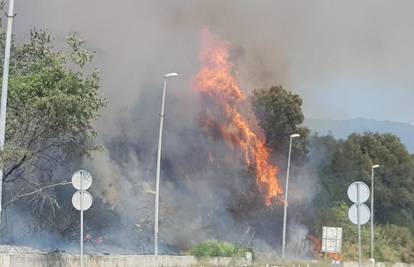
(171, 74)
(375, 166)
(294, 135)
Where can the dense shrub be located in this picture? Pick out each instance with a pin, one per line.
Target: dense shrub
(215, 248)
(393, 243)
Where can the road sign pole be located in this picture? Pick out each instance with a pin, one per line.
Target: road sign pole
(81, 200)
(359, 213)
(81, 220)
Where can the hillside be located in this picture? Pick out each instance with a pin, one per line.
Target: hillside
(343, 128)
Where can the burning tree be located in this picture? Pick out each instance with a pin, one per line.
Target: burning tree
(226, 114)
(255, 130)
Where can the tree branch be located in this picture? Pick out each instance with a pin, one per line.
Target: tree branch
(15, 167)
(16, 198)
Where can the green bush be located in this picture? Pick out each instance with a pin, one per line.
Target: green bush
(393, 243)
(215, 248)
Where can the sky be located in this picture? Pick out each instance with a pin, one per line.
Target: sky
(346, 59)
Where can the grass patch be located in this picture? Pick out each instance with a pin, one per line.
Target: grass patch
(215, 248)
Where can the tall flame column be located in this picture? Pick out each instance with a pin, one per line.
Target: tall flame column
(157, 181)
(286, 196)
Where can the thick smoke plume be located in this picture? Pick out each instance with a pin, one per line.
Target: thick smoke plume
(205, 187)
(322, 49)
(308, 46)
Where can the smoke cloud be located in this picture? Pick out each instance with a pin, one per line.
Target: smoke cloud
(325, 50)
(320, 49)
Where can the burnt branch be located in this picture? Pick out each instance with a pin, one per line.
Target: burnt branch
(38, 190)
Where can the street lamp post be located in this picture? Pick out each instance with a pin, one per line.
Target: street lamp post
(4, 90)
(372, 211)
(157, 181)
(286, 195)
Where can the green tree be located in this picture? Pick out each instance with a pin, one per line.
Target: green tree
(394, 188)
(280, 115)
(53, 101)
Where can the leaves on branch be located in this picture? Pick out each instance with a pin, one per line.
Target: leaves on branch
(52, 104)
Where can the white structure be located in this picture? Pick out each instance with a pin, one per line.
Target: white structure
(4, 91)
(331, 239)
(372, 211)
(157, 180)
(292, 136)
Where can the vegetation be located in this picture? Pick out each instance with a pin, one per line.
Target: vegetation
(338, 164)
(392, 243)
(280, 115)
(52, 103)
(352, 159)
(53, 100)
(215, 248)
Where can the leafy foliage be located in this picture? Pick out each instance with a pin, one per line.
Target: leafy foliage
(346, 161)
(341, 162)
(215, 248)
(392, 243)
(352, 159)
(280, 115)
(52, 104)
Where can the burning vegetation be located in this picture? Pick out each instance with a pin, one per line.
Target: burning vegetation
(230, 202)
(208, 191)
(225, 113)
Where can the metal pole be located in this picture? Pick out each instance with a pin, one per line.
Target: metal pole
(359, 229)
(81, 220)
(157, 181)
(372, 215)
(4, 90)
(286, 201)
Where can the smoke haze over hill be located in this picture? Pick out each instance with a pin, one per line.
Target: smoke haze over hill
(343, 128)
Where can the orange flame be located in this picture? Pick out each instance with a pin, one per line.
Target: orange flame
(221, 116)
(317, 244)
(317, 247)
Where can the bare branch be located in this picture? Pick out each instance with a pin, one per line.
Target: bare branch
(17, 197)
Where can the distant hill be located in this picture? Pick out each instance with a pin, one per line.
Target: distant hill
(343, 128)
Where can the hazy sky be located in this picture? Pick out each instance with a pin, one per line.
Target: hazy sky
(345, 58)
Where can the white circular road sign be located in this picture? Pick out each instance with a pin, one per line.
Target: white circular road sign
(86, 200)
(360, 188)
(80, 175)
(364, 214)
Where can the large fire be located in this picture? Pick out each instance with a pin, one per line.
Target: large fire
(226, 113)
